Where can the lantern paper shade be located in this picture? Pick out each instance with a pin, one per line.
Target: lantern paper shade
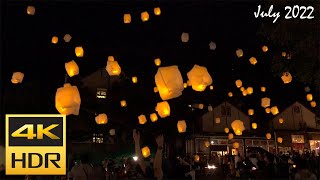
(283, 54)
(79, 51)
(254, 125)
(206, 144)
(226, 130)
(163, 109)
(153, 117)
(218, 120)
(157, 11)
(265, 48)
(281, 120)
(112, 132)
(238, 83)
(123, 103)
(307, 89)
(313, 104)
(68, 100)
(127, 18)
(145, 16)
(17, 77)
(113, 68)
(212, 46)
(309, 97)
(54, 40)
(274, 110)
(145, 151)
(196, 158)
(110, 58)
(253, 61)
(134, 79)
(185, 85)
(157, 62)
(268, 136)
(241, 89)
(265, 102)
(142, 119)
(230, 136)
(238, 127)
(200, 106)
(245, 92)
(236, 145)
(211, 87)
(185, 37)
(199, 78)
(182, 126)
(155, 89)
(239, 53)
(72, 68)
(279, 139)
(230, 94)
(67, 38)
(268, 110)
(101, 119)
(263, 89)
(250, 112)
(286, 77)
(210, 108)
(169, 82)
(31, 10)
(250, 90)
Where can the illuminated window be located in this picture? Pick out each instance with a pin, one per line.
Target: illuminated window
(101, 93)
(97, 138)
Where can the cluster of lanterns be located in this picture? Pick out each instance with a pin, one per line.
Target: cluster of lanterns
(144, 15)
(309, 97)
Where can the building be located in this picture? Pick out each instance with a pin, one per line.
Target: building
(298, 127)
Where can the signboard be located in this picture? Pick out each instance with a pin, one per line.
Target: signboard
(297, 138)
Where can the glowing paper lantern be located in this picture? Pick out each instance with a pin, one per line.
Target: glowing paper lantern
(72, 68)
(67, 38)
(68, 100)
(268, 136)
(286, 77)
(211, 87)
(185, 85)
(242, 89)
(239, 53)
(134, 79)
(169, 82)
(265, 102)
(254, 125)
(196, 158)
(280, 120)
(79, 51)
(155, 89)
(54, 40)
(279, 139)
(112, 132)
(31, 10)
(274, 110)
(250, 90)
(250, 112)
(265, 48)
(157, 11)
(283, 54)
(182, 126)
(313, 104)
(153, 117)
(142, 119)
(238, 127)
(307, 89)
(230, 136)
(127, 18)
(212, 46)
(238, 83)
(218, 120)
(309, 97)
(253, 61)
(206, 144)
(268, 110)
(263, 89)
(110, 58)
(145, 16)
(189, 83)
(245, 92)
(123, 103)
(236, 145)
(230, 94)
(157, 62)
(226, 130)
(101, 119)
(210, 108)
(163, 109)
(200, 106)
(145, 151)
(113, 68)
(185, 37)
(17, 77)
(199, 78)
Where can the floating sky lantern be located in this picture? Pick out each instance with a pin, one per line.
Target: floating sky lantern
(211, 87)
(155, 89)
(113, 68)
(185, 85)
(309, 97)
(112, 132)
(145, 151)
(31, 10)
(279, 139)
(239, 53)
(157, 11)
(123, 103)
(230, 136)
(206, 144)
(253, 61)
(245, 92)
(79, 51)
(226, 130)
(110, 58)
(169, 82)
(230, 94)
(185, 37)
(242, 89)
(268, 110)
(274, 110)
(127, 18)
(182, 126)
(163, 109)
(313, 104)
(68, 100)
(250, 90)
(200, 106)
(101, 119)
(17, 77)
(134, 79)
(212, 46)
(238, 83)
(236, 145)
(218, 120)
(265, 102)
(210, 108)
(67, 38)
(254, 125)
(196, 158)
(238, 127)
(265, 48)
(283, 54)
(263, 89)
(72, 68)
(157, 61)
(281, 120)
(199, 78)
(189, 83)
(142, 119)
(250, 112)
(286, 77)
(268, 136)
(54, 40)
(153, 117)
(144, 16)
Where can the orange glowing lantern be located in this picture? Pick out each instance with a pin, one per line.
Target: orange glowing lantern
(163, 109)
(145, 151)
(101, 119)
(182, 126)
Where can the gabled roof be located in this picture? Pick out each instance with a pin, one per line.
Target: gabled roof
(296, 103)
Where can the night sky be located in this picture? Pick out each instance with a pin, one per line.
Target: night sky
(98, 27)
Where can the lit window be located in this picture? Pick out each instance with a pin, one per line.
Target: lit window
(97, 138)
(101, 93)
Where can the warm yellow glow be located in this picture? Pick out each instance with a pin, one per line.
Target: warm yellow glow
(200, 106)
(155, 89)
(54, 40)
(134, 79)
(185, 37)
(283, 54)
(211, 87)
(101, 119)
(279, 139)
(236, 145)
(238, 83)
(68, 100)
(123, 103)
(79, 51)
(17, 77)
(263, 89)
(250, 112)
(196, 158)
(110, 58)
(239, 53)
(309, 97)
(113, 68)
(230, 94)
(274, 110)
(145, 151)
(238, 127)
(265, 48)
(157, 62)
(280, 120)
(72, 68)
(245, 92)
(253, 61)
(286, 77)
(230, 136)
(242, 89)
(153, 117)
(163, 109)
(268, 110)
(142, 119)
(226, 130)
(249, 90)
(265, 102)
(182, 126)
(189, 83)
(31, 10)
(145, 16)
(157, 11)
(254, 125)
(199, 78)
(268, 136)
(127, 18)
(218, 120)
(313, 104)
(206, 144)
(67, 38)
(185, 85)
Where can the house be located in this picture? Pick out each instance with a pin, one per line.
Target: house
(298, 127)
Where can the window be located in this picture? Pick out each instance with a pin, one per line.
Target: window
(101, 93)
(97, 138)
(225, 110)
